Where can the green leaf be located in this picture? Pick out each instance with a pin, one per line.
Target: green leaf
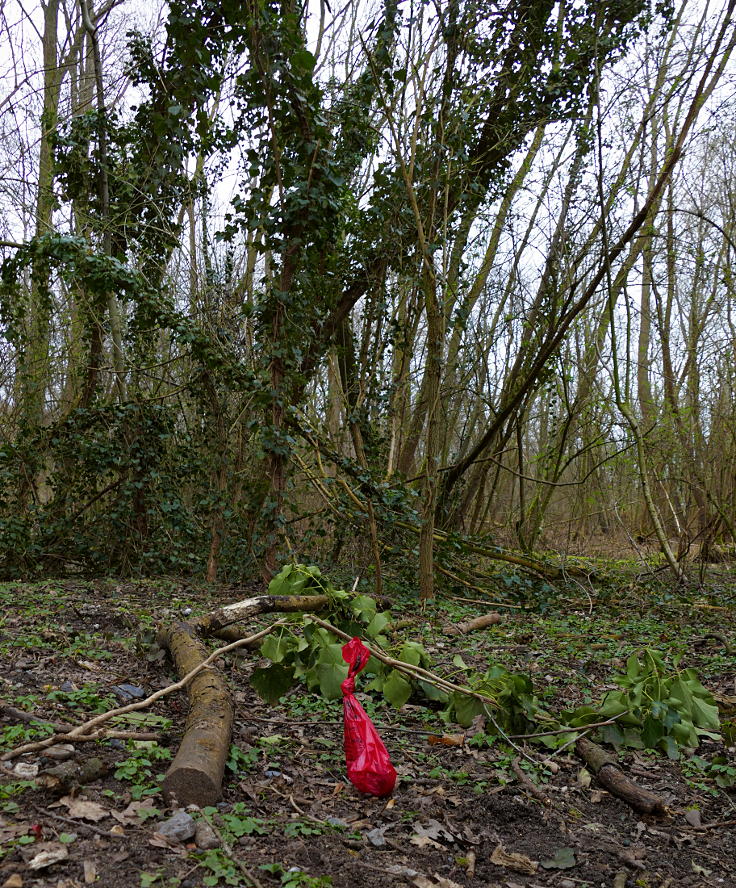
(705, 715)
(613, 704)
(632, 738)
(396, 689)
(612, 734)
(279, 584)
(378, 624)
(466, 708)
(652, 732)
(275, 648)
(365, 607)
(303, 60)
(681, 696)
(329, 677)
(328, 671)
(672, 750)
(272, 682)
(412, 652)
(433, 693)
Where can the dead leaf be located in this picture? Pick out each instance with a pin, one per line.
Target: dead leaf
(597, 796)
(159, 841)
(397, 870)
(14, 881)
(584, 778)
(132, 813)
(700, 870)
(26, 770)
(692, 815)
(84, 809)
(53, 852)
(433, 830)
(10, 831)
(424, 842)
(90, 871)
(446, 739)
(439, 882)
(519, 863)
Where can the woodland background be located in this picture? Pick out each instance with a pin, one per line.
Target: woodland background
(365, 282)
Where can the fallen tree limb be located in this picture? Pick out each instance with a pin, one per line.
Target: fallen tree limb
(217, 621)
(543, 568)
(195, 775)
(611, 777)
(476, 623)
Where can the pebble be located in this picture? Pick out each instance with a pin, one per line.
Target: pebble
(60, 752)
(376, 838)
(205, 837)
(179, 828)
(125, 692)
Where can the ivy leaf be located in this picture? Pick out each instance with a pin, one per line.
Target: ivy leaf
(303, 61)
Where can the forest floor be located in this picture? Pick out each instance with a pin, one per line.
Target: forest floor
(459, 816)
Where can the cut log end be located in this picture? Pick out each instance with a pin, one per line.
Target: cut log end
(190, 786)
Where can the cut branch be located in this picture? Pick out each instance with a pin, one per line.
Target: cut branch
(611, 777)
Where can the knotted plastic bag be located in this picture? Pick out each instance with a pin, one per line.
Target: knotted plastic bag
(368, 764)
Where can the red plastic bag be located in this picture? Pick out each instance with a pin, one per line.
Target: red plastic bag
(368, 764)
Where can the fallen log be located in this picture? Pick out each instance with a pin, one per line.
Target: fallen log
(472, 625)
(195, 775)
(612, 778)
(216, 622)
